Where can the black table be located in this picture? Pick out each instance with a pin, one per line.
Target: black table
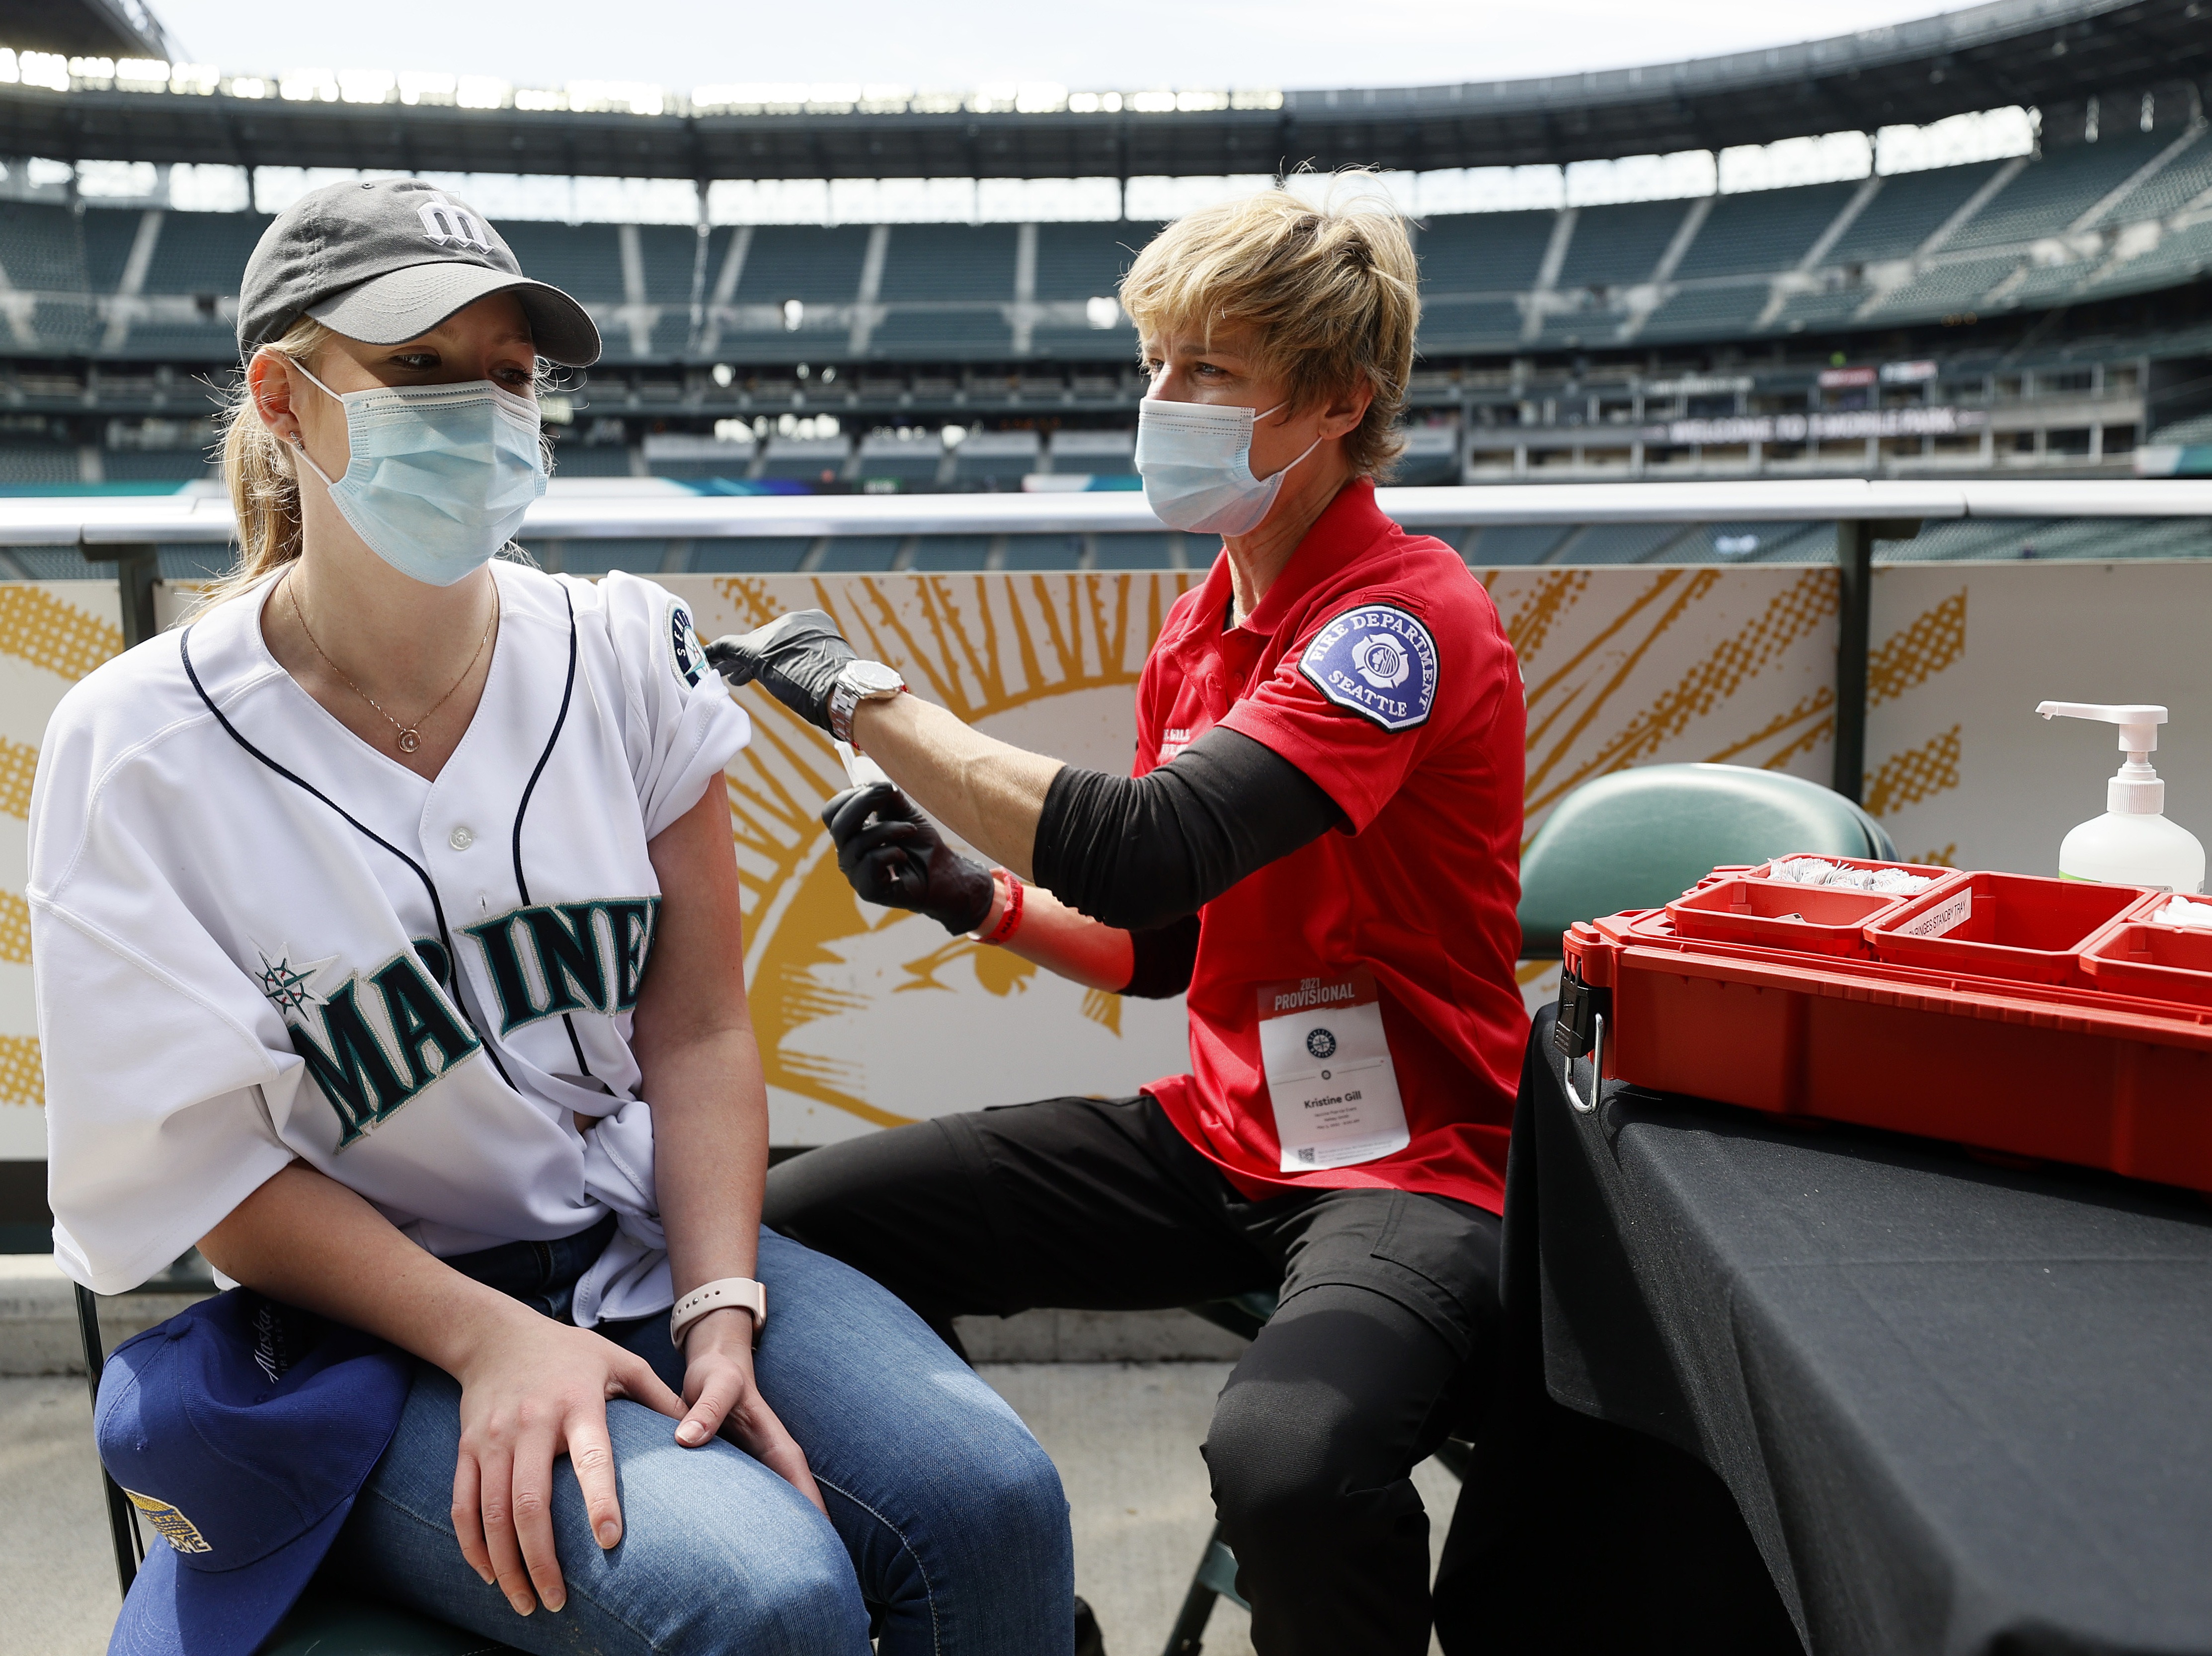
(1960, 1407)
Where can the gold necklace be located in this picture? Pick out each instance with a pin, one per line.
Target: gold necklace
(411, 736)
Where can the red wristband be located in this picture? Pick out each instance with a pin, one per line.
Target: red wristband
(1010, 920)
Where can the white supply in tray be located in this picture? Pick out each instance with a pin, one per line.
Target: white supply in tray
(2182, 912)
(1883, 881)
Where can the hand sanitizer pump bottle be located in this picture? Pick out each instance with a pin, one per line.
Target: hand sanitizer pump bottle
(2132, 843)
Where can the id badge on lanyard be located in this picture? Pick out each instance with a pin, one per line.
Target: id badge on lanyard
(1328, 1071)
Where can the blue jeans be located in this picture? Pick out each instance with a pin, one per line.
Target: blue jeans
(947, 1520)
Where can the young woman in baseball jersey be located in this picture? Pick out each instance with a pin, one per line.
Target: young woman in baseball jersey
(385, 928)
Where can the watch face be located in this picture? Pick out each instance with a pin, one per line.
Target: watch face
(873, 678)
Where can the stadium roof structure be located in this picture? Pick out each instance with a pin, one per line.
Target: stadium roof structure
(2042, 53)
(86, 28)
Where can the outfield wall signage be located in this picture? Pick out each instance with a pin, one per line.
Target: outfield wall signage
(1856, 425)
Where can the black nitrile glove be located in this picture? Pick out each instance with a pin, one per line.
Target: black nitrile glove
(797, 657)
(892, 854)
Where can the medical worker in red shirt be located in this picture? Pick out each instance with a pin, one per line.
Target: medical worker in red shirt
(1319, 845)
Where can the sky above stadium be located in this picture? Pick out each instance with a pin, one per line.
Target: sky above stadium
(1131, 44)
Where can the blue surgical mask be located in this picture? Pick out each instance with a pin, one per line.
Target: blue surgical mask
(1196, 462)
(440, 477)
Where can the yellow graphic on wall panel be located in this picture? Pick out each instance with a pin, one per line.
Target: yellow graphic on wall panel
(49, 632)
(1639, 666)
(14, 929)
(1048, 661)
(19, 765)
(22, 1076)
(40, 626)
(1907, 778)
(1909, 658)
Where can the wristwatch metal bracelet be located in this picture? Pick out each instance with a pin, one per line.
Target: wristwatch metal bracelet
(860, 681)
(726, 1293)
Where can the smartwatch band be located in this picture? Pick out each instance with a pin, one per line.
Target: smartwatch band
(741, 1293)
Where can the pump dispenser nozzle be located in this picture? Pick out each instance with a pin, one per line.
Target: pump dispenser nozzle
(2137, 791)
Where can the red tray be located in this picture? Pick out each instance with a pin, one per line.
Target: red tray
(1779, 914)
(2002, 926)
(2169, 962)
(2061, 1072)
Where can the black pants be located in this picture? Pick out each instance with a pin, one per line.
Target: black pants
(1388, 1320)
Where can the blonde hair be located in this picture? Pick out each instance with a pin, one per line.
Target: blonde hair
(261, 475)
(1330, 296)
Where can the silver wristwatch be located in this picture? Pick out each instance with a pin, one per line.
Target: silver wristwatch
(860, 681)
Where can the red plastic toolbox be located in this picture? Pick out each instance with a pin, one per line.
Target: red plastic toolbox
(1779, 914)
(2170, 963)
(2064, 1073)
(2001, 925)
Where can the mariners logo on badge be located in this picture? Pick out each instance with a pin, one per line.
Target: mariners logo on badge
(1376, 661)
(1322, 1044)
(683, 644)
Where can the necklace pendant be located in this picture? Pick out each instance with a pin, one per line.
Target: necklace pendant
(409, 741)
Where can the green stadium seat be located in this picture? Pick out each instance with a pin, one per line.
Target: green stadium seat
(939, 262)
(1619, 246)
(1762, 229)
(2057, 189)
(1906, 210)
(1043, 553)
(758, 554)
(811, 265)
(951, 554)
(1483, 252)
(862, 555)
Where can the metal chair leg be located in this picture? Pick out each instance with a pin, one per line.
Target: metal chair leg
(1216, 1578)
(122, 1522)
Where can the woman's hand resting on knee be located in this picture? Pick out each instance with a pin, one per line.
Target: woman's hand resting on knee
(719, 1393)
(532, 1391)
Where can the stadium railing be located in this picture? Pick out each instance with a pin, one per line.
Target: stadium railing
(127, 533)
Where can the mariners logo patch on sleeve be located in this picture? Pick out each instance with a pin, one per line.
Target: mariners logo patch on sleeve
(683, 644)
(1376, 661)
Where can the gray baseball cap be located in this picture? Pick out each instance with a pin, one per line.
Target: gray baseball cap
(386, 260)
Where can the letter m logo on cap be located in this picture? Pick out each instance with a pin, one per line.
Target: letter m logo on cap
(450, 226)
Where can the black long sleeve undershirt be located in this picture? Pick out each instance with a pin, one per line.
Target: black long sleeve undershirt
(1163, 956)
(1146, 854)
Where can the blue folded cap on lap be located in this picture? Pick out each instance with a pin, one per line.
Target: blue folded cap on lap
(241, 1430)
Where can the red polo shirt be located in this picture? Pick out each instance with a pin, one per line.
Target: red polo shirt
(1377, 665)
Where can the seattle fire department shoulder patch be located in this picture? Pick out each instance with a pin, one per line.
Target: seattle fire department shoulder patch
(1376, 661)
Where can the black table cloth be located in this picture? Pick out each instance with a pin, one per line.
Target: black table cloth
(1960, 1407)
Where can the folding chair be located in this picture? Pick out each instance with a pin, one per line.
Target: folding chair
(322, 1624)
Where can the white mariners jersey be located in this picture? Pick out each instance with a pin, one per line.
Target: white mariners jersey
(256, 936)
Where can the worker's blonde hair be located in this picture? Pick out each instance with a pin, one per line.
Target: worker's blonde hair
(1330, 296)
(260, 473)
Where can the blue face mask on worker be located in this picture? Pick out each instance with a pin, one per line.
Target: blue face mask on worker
(1196, 462)
(440, 477)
